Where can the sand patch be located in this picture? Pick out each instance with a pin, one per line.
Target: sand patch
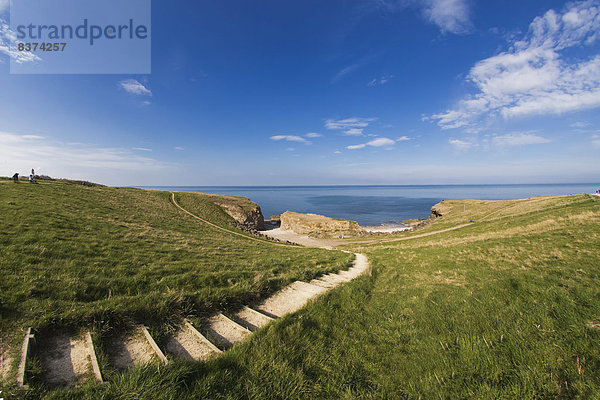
(65, 359)
(126, 352)
(5, 363)
(226, 332)
(251, 319)
(186, 344)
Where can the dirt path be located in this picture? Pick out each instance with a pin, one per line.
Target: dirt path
(331, 243)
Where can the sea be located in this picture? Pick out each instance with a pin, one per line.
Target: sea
(377, 205)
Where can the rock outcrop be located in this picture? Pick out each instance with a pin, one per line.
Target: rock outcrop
(440, 209)
(245, 212)
(318, 225)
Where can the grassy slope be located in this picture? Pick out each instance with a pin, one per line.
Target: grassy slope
(507, 308)
(72, 255)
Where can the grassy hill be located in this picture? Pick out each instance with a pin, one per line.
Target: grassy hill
(74, 255)
(506, 307)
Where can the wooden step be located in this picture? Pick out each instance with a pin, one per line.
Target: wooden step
(188, 343)
(251, 319)
(315, 290)
(126, 351)
(289, 299)
(325, 284)
(224, 331)
(65, 360)
(25, 349)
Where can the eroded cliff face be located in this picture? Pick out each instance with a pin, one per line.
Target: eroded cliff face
(244, 211)
(317, 225)
(439, 210)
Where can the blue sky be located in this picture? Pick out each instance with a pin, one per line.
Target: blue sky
(336, 92)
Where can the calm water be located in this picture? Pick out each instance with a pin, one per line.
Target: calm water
(375, 205)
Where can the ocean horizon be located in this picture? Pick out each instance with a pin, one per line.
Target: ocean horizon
(374, 205)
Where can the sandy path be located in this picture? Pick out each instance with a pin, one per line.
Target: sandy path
(5, 362)
(66, 360)
(331, 243)
(301, 239)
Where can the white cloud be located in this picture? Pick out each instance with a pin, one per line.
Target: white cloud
(337, 152)
(348, 123)
(354, 132)
(580, 125)
(141, 149)
(179, 148)
(135, 87)
(8, 38)
(290, 138)
(451, 16)
(533, 77)
(379, 142)
(313, 135)
(290, 149)
(519, 139)
(461, 145)
(4, 5)
(70, 160)
(596, 141)
(403, 139)
(146, 103)
(356, 146)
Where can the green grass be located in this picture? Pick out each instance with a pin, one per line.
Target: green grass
(508, 307)
(73, 256)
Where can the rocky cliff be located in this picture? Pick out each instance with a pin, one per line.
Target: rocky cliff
(317, 225)
(244, 211)
(439, 210)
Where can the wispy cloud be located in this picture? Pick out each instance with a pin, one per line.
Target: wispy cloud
(519, 139)
(8, 39)
(380, 81)
(580, 125)
(534, 77)
(351, 68)
(141, 149)
(313, 135)
(462, 145)
(290, 138)
(354, 132)
(135, 87)
(179, 148)
(596, 141)
(451, 16)
(403, 139)
(379, 142)
(348, 123)
(72, 160)
(4, 5)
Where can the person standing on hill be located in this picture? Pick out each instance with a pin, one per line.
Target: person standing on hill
(31, 176)
(16, 177)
